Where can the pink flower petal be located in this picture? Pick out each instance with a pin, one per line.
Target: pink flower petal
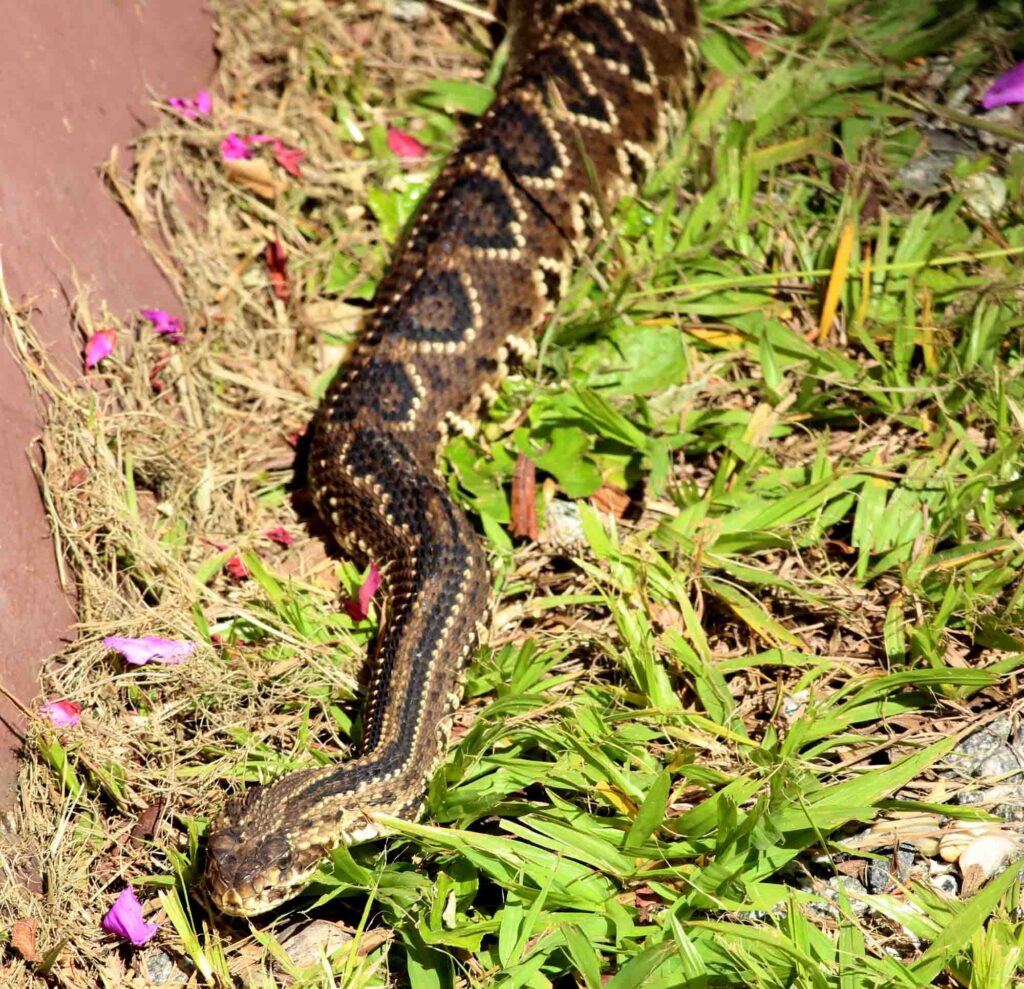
(190, 109)
(280, 535)
(236, 568)
(234, 147)
(124, 919)
(289, 158)
(98, 346)
(359, 607)
(151, 649)
(404, 145)
(165, 324)
(63, 714)
(1008, 88)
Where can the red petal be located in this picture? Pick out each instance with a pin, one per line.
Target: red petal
(236, 568)
(405, 145)
(280, 535)
(289, 158)
(277, 264)
(359, 607)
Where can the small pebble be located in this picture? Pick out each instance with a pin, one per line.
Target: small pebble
(793, 705)
(957, 838)
(159, 968)
(855, 892)
(409, 11)
(984, 192)
(987, 854)
(307, 944)
(884, 875)
(563, 528)
(1007, 117)
(1005, 801)
(946, 885)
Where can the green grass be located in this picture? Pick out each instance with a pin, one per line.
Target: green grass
(680, 719)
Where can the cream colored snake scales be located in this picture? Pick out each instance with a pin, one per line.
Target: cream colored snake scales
(580, 110)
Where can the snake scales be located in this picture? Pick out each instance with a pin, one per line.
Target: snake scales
(581, 108)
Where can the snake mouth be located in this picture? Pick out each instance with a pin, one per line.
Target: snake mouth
(232, 902)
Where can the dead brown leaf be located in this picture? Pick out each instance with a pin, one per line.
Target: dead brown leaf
(23, 938)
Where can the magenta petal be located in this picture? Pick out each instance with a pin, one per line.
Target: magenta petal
(62, 714)
(1008, 88)
(234, 147)
(151, 649)
(163, 322)
(190, 109)
(124, 919)
(98, 346)
(176, 103)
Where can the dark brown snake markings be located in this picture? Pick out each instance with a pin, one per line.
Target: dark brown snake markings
(580, 110)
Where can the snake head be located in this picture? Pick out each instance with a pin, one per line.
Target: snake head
(250, 874)
(266, 844)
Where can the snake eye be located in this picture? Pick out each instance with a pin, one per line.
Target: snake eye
(275, 849)
(223, 841)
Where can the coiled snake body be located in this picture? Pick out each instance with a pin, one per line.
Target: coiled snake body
(571, 129)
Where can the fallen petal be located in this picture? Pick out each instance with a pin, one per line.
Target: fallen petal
(124, 919)
(277, 265)
(156, 382)
(165, 324)
(289, 158)
(280, 535)
(1008, 88)
(151, 649)
(62, 714)
(404, 145)
(98, 346)
(359, 607)
(236, 568)
(234, 147)
(190, 109)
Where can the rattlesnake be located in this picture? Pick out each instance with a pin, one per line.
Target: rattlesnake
(573, 127)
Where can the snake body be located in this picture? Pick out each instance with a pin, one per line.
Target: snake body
(572, 128)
